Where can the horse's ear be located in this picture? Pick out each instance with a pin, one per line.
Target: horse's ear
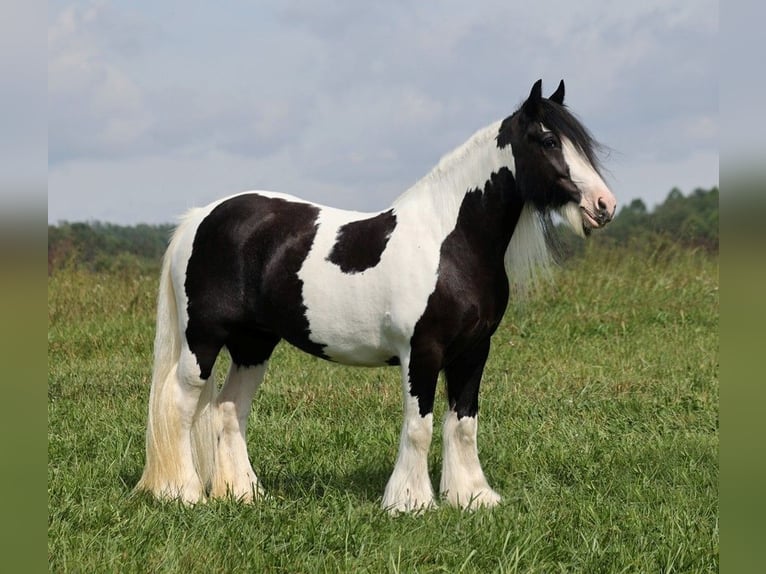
(558, 95)
(532, 105)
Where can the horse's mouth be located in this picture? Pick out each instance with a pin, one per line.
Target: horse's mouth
(589, 221)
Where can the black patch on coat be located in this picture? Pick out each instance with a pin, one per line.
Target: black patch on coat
(359, 245)
(469, 300)
(242, 280)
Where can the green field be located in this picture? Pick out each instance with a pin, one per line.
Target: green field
(599, 426)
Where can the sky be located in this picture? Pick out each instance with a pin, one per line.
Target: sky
(156, 107)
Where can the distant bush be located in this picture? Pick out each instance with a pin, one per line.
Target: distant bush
(107, 247)
(691, 220)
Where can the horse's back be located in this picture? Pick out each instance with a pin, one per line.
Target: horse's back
(339, 284)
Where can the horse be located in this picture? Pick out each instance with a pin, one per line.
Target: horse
(422, 285)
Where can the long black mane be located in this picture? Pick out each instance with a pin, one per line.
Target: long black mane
(558, 118)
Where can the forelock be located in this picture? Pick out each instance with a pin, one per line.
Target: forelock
(560, 120)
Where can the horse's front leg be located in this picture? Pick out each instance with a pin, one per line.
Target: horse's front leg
(463, 482)
(409, 488)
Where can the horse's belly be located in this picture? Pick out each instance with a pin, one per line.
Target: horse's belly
(362, 356)
(354, 340)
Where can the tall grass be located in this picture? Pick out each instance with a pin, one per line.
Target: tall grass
(598, 425)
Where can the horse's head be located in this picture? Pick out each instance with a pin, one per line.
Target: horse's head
(556, 163)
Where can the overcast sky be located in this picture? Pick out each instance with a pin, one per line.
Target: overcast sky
(154, 107)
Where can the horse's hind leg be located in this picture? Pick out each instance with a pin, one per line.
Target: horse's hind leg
(234, 474)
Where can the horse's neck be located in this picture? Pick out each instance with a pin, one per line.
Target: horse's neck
(512, 230)
(436, 199)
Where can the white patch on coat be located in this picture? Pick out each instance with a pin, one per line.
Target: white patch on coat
(365, 318)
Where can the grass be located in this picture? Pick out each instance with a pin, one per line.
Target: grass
(599, 426)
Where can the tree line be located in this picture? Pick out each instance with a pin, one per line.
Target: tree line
(691, 220)
(686, 220)
(99, 246)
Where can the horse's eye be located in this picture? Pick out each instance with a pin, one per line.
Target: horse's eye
(550, 142)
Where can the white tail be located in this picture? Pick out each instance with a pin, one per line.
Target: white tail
(182, 430)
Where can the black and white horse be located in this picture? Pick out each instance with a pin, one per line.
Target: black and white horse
(422, 285)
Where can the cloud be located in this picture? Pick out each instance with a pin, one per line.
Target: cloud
(105, 102)
(339, 101)
(95, 109)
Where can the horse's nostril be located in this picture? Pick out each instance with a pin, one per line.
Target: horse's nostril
(603, 213)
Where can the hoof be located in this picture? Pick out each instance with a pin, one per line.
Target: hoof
(408, 503)
(247, 493)
(485, 498)
(188, 495)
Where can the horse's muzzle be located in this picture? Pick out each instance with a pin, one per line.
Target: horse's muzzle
(599, 217)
